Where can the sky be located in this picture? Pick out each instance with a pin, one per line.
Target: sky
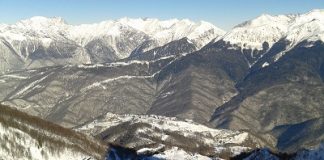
(224, 14)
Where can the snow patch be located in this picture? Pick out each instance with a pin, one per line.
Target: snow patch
(177, 154)
(145, 151)
(164, 95)
(265, 64)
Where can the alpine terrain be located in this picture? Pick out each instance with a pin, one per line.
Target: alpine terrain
(163, 89)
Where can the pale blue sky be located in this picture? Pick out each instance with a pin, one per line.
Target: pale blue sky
(223, 13)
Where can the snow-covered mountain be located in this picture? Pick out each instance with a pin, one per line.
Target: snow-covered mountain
(267, 28)
(254, 38)
(309, 26)
(41, 41)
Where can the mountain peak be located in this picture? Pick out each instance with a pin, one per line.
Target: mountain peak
(253, 33)
(206, 24)
(264, 16)
(40, 20)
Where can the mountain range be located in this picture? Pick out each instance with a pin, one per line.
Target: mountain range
(41, 41)
(264, 78)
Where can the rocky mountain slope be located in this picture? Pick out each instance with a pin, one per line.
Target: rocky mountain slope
(288, 92)
(27, 137)
(171, 86)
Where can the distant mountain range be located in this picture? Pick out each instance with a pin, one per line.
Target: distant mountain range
(265, 77)
(41, 41)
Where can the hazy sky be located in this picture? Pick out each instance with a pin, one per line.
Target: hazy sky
(223, 13)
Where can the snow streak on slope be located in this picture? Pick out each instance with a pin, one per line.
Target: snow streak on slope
(32, 85)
